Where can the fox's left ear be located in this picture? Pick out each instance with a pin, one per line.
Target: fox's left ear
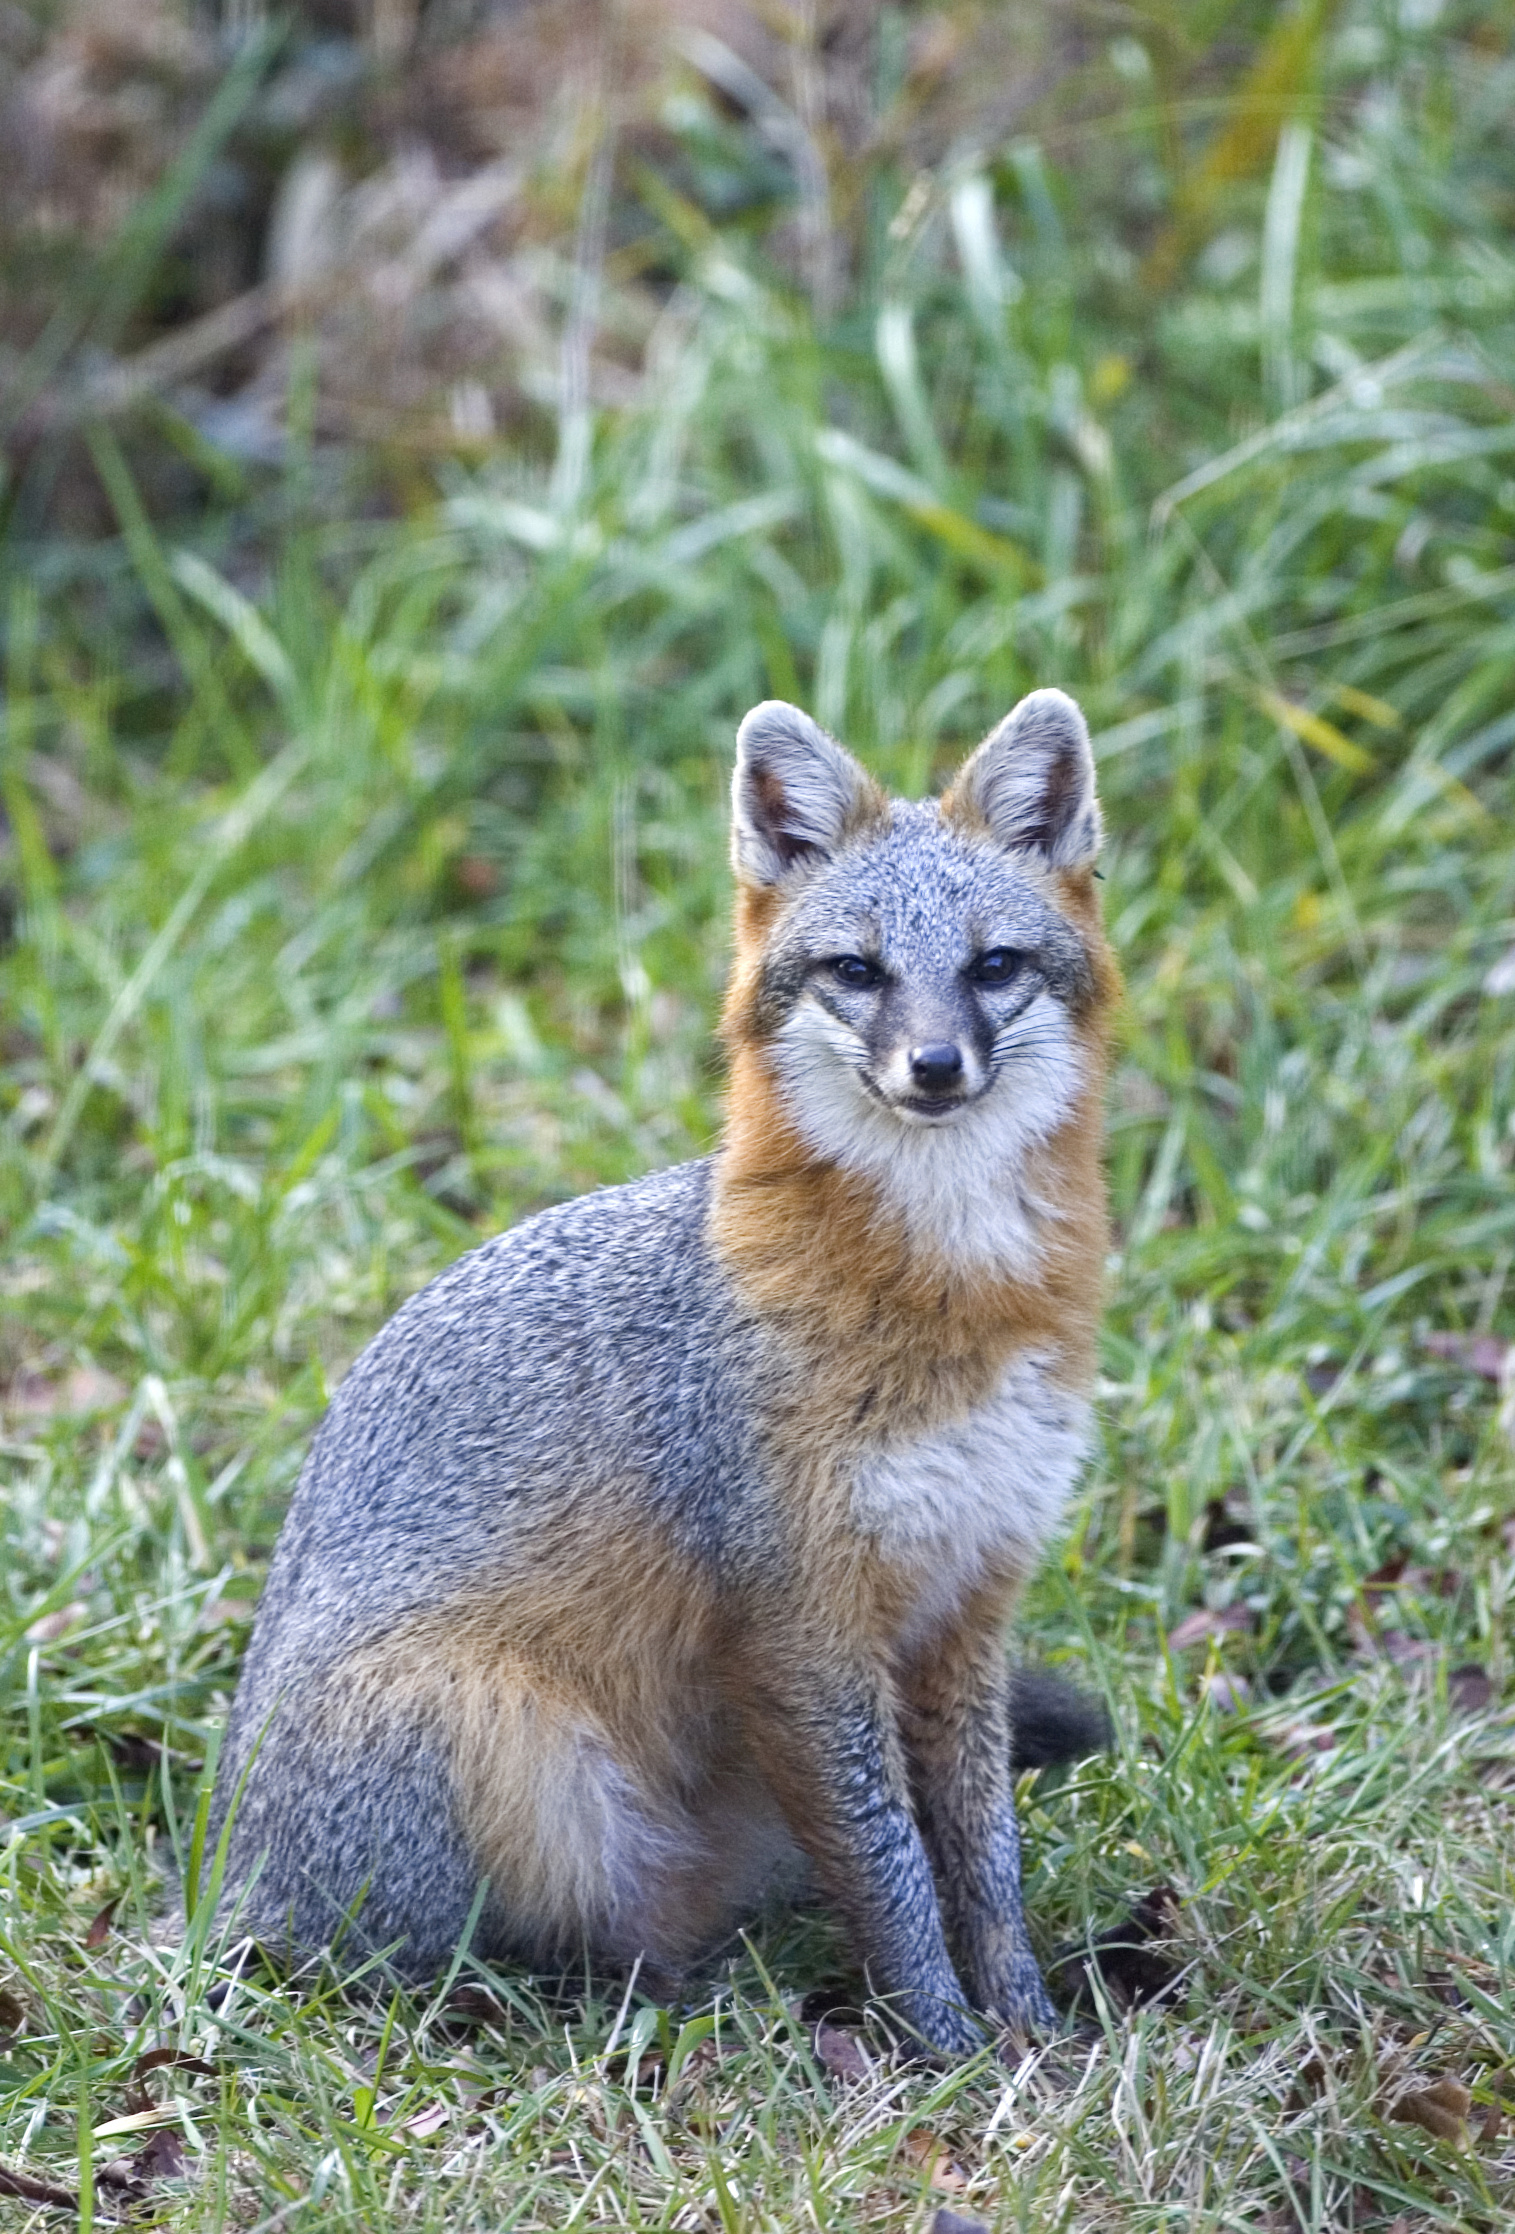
(1032, 782)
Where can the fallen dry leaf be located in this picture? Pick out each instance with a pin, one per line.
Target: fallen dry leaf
(151, 1442)
(953, 2222)
(162, 2158)
(1398, 1574)
(1228, 1694)
(1470, 1690)
(702, 2058)
(476, 2004)
(83, 1390)
(841, 2053)
(426, 2121)
(100, 1924)
(928, 2153)
(32, 2190)
(1441, 2109)
(130, 1750)
(829, 2005)
(1308, 2081)
(1210, 1621)
(171, 2059)
(49, 1627)
(649, 2066)
(1483, 1354)
(479, 2093)
(1474, 1967)
(1386, 1577)
(1406, 1651)
(476, 876)
(1129, 1962)
(1374, 1633)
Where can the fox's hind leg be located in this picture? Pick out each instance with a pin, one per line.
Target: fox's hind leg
(592, 1847)
(354, 1849)
(418, 1775)
(376, 1818)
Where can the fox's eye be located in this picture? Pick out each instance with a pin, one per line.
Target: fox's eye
(856, 970)
(997, 967)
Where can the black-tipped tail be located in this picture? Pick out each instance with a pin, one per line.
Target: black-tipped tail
(1052, 1721)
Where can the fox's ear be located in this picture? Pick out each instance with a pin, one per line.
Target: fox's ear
(794, 796)
(1032, 782)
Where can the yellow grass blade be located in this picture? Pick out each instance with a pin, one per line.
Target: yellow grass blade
(1272, 91)
(1315, 730)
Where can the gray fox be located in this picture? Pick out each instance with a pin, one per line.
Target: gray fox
(666, 1542)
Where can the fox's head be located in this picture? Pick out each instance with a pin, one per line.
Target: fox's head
(923, 981)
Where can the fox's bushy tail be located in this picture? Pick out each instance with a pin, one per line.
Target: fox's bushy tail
(1052, 1720)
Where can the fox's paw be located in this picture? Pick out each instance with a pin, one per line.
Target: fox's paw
(1023, 2008)
(937, 2032)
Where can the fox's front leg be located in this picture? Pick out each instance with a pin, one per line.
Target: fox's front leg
(957, 1724)
(822, 1730)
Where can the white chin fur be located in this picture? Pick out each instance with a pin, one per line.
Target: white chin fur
(958, 1182)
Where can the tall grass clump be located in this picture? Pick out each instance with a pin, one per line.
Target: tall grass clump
(364, 890)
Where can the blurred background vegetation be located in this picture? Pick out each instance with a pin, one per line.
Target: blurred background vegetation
(426, 429)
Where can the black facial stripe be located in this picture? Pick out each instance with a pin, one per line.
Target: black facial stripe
(1062, 961)
(833, 998)
(1010, 1006)
(783, 980)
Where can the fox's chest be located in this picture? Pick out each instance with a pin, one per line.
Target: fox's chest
(988, 1489)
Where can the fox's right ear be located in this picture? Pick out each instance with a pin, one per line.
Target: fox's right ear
(795, 794)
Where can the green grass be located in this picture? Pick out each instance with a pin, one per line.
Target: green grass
(368, 892)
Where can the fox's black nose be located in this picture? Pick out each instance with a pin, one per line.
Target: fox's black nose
(937, 1066)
